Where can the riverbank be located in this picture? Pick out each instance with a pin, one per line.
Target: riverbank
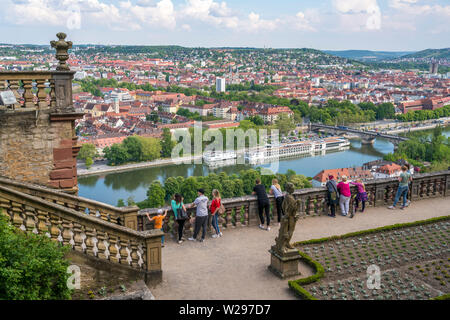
(102, 168)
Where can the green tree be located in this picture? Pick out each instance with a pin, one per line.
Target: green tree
(133, 147)
(89, 162)
(116, 155)
(167, 144)
(257, 120)
(156, 195)
(32, 267)
(150, 149)
(189, 189)
(285, 124)
(87, 150)
(120, 203)
(171, 186)
(248, 179)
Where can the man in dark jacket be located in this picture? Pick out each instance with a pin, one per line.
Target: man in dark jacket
(263, 203)
(333, 195)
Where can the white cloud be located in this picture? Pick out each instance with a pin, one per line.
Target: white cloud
(304, 20)
(359, 14)
(220, 15)
(125, 16)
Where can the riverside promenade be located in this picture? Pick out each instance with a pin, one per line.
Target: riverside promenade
(102, 168)
(235, 265)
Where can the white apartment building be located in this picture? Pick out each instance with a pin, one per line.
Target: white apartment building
(220, 85)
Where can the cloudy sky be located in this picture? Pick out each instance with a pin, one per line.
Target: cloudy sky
(401, 25)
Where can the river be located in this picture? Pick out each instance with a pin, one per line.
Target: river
(109, 188)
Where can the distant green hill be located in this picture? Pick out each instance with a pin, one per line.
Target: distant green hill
(431, 53)
(367, 55)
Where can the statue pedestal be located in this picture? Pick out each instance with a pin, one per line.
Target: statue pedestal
(285, 264)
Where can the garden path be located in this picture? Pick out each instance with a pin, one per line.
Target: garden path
(235, 266)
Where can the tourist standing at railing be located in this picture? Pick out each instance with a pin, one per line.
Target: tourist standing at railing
(404, 179)
(180, 217)
(345, 195)
(158, 220)
(275, 189)
(361, 196)
(201, 215)
(333, 195)
(263, 203)
(215, 206)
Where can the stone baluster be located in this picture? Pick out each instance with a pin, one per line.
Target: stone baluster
(134, 254)
(78, 238)
(123, 251)
(91, 241)
(430, 191)
(113, 249)
(101, 238)
(246, 215)
(30, 216)
(68, 233)
(42, 226)
(238, 216)
(28, 94)
(16, 215)
(320, 204)
(54, 228)
(228, 221)
(52, 93)
(41, 94)
(310, 208)
(3, 85)
(14, 87)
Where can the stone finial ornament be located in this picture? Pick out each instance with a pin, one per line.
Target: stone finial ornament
(62, 46)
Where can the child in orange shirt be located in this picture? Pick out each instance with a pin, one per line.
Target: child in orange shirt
(159, 220)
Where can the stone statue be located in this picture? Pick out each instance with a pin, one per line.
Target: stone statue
(291, 208)
(62, 48)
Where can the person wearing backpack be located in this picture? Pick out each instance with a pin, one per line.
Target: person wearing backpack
(216, 209)
(275, 189)
(333, 195)
(180, 214)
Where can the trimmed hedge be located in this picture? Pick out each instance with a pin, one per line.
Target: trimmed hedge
(320, 272)
(443, 297)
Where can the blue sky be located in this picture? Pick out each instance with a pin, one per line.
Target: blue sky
(400, 25)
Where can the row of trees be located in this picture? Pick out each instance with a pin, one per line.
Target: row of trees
(422, 115)
(133, 149)
(230, 186)
(423, 147)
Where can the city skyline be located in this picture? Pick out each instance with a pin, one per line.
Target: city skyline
(379, 25)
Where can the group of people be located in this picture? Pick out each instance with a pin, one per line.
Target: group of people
(337, 194)
(216, 208)
(201, 217)
(340, 194)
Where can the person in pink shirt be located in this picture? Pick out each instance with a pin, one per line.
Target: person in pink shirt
(361, 196)
(345, 195)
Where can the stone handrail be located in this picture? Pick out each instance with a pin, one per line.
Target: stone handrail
(38, 90)
(243, 211)
(120, 216)
(91, 236)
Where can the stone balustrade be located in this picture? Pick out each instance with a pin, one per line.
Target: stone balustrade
(91, 236)
(120, 216)
(37, 90)
(243, 211)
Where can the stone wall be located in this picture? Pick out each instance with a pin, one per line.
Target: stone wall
(37, 148)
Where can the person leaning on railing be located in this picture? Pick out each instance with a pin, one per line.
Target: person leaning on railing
(403, 187)
(180, 216)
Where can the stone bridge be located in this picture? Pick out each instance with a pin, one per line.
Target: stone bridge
(367, 137)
